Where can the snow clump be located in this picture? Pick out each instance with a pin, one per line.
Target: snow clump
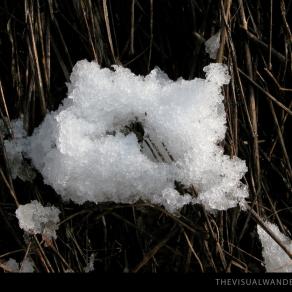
(121, 137)
(12, 266)
(14, 151)
(212, 45)
(36, 219)
(276, 260)
(90, 264)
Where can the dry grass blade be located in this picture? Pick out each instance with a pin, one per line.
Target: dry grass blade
(154, 250)
(252, 103)
(142, 231)
(264, 46)
(4, 104)
(271, 97)
(11, 190)
(108, 29)
(35, 61)
(282, 142)
(225, 9)
(151, 35)
(42, 255)
(132, 51)
(88, 30)
(193, 251)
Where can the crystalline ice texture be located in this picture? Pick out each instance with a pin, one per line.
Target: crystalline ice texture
(26, 266)
(93, 149)
(276, 260)
(212, 45)
(14, 149)
(36, 219)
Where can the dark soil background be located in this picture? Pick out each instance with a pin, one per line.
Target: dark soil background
(40, 41)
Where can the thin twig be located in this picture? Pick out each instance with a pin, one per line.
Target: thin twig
(193, 251)
(154, 250)
(108, 29)
(266, 93)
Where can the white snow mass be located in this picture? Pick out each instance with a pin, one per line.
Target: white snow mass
(121, 137)
(12, 266)
(36, 219)
(14, 151)
(276, 260)
(90, 264)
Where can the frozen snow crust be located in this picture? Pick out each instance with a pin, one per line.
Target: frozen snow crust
(91, 148)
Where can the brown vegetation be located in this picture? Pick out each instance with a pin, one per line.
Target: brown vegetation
(40, 41)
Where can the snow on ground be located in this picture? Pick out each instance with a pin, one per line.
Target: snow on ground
(26, 266)
(36, 219)
(121, 137)
(276, 260)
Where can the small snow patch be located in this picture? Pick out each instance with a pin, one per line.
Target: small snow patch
(12, 266)
(276, 260)
(90, 265)
(36, 219)
(14, 151)
(212, 45)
